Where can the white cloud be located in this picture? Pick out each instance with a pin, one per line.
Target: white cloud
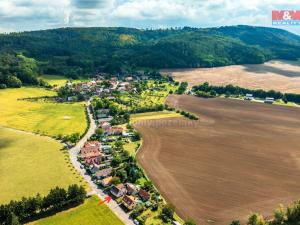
(43, 14)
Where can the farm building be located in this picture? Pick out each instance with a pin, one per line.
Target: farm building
(249, 97)
(269, 100)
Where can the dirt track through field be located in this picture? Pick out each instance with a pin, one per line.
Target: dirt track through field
(282, 76)
(238, 158)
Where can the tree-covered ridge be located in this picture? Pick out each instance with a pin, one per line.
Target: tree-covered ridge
(82, 51)
(16, 70)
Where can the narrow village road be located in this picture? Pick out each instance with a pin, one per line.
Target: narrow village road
(73, 152)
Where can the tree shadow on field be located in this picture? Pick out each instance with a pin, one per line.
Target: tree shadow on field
(4, 142)
(263, 68)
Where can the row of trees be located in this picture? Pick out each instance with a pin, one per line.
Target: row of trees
(207, 90)
(28, 208)
(290, 216)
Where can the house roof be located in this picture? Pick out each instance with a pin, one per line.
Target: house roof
(129, 200)
(92, 144)
(131, 187)
(86, 150)
(104, 172)
(144, 194)
(90, 155)
(90, 161)
(107, 180)
(115, 130)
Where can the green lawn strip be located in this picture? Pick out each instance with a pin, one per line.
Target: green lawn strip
(153, 116)
(89, 213)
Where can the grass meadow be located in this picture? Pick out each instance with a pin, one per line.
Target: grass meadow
(57, 80)
(31, 164)
(41, 116)
(86, 214)
(153, 116)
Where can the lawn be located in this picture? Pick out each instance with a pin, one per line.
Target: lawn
(153, 94)
(131, 147)
(41, 116)
(153, 116)
(57, 80)
(89, 213)
(31, 164)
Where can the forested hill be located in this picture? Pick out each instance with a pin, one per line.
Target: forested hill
(83, 51)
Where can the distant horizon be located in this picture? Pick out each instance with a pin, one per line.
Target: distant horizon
(147, 28)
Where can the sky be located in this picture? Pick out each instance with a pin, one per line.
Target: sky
(24, 15)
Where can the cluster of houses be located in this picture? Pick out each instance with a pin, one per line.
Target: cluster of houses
(97, 159)
(97, 87)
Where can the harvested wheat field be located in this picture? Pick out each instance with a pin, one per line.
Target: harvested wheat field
(240, 157)
(282, 76)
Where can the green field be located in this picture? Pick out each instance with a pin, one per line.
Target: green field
(153, 116)
(31, 164)
(89, 213)
(154, 94)
(41, 116)
(57, 80)
(131, 147)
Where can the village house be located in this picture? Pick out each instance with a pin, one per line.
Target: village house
(93, 144)
(106, 149)
(106, 181)
(108, 119)
(91, 153)
(128, 79)
(124, 86)
(144, 195)
(129, 202)
(269, 100)
(105, 126)
(249, 97)
(93, 169)
(115, 131)
(118, 190)
(131, 189)
(103, 173)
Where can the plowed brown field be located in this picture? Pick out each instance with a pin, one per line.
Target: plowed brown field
(240, 157)
(282, 76)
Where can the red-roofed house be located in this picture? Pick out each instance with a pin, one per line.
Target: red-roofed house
(115, 131)
(129, 202)
(145, 196)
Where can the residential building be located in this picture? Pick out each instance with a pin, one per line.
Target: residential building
(129, 202)
(131, 189)
(269, 100)
(145, 196)
(106, 181)
(103, 173)
(249, 97)
(118, 190)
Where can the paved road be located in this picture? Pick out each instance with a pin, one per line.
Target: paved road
(73, 152)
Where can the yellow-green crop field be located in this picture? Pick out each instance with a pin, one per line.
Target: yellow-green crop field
(31, 164)
(153, 116)
(89, 213)
(40, 116)
(58, 80)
